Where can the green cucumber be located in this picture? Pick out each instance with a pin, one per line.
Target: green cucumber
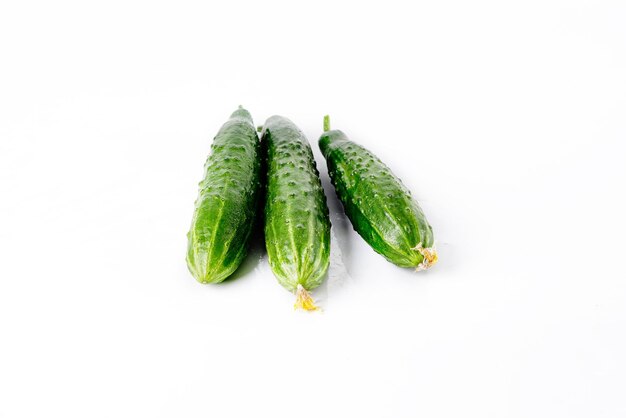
(226, 207)
(379, 206)
(297, 225)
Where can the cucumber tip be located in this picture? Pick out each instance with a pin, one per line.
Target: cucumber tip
(304, 300)
(429, 255)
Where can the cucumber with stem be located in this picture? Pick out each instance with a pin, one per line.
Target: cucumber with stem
(226, 207)
(378, 205)
(297, 225)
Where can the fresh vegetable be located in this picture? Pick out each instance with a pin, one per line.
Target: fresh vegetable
(297, 226)
(226, 207)
(379, 206)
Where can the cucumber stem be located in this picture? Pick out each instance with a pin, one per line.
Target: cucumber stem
(326, 123)
(304, 300)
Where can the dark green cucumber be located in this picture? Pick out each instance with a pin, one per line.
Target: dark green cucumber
(379, 206)
(227, 201)
(297, 226)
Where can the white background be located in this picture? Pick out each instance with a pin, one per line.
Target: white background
(506, 119)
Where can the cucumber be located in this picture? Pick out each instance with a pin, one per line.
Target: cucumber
(226, 207)
(297, 225)
(379, 206)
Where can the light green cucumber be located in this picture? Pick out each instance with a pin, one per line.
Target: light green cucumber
(297, 225)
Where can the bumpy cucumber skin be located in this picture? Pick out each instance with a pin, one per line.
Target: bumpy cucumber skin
(379, 206)
(226, 207)
(297, 225)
